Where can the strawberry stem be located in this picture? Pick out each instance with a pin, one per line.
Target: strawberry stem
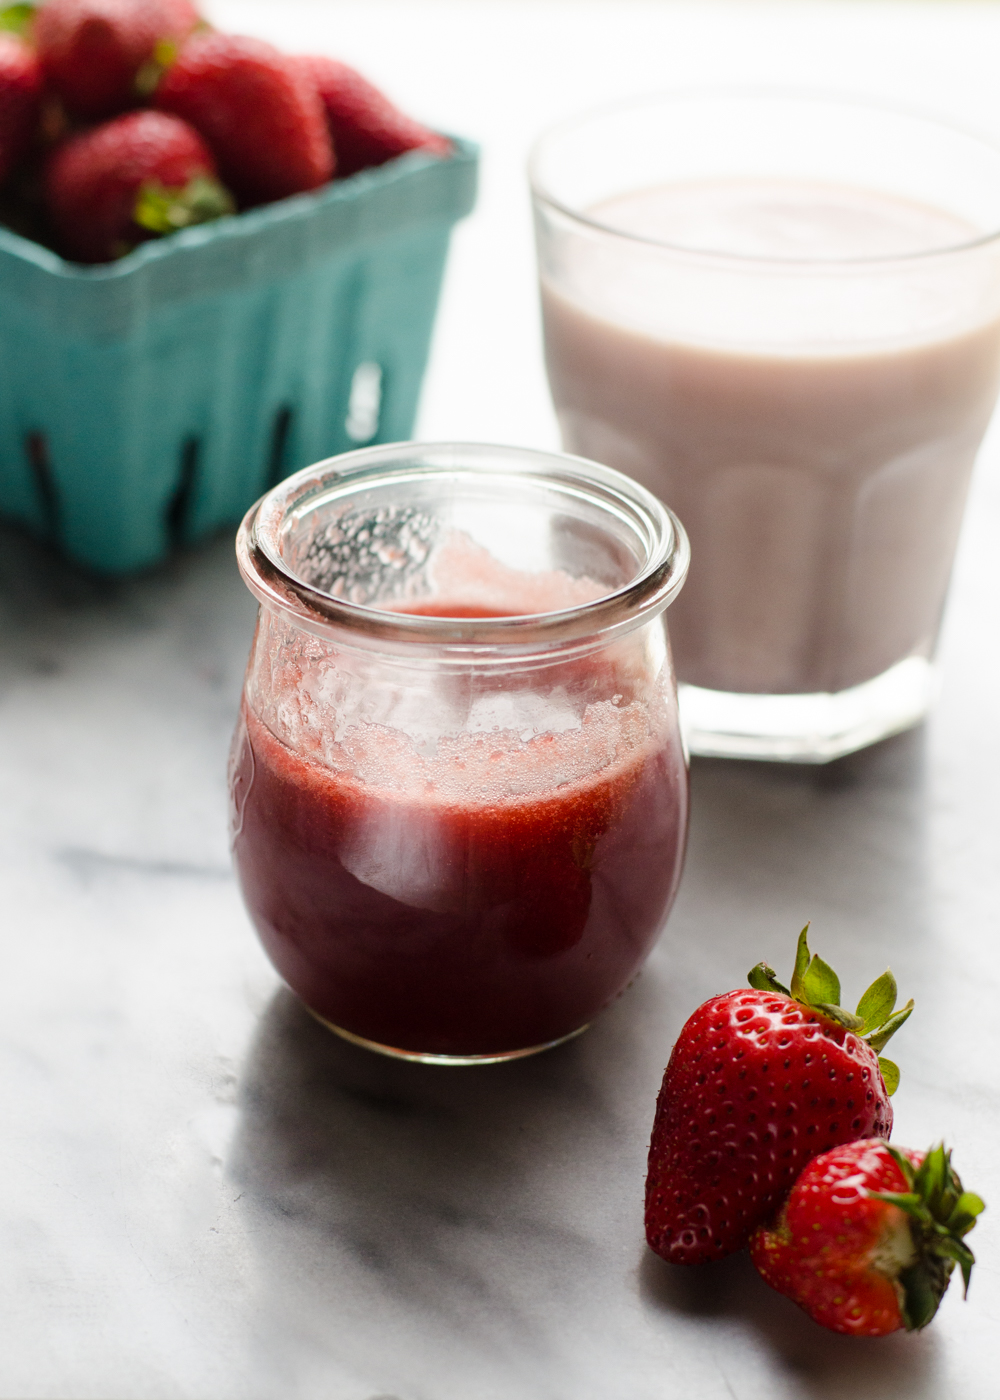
(14, 19)
(941, 1214)
(148, 77)
(163, 210)
(890, 1074)
(763, 979)
(876, 1004)
(815, 984)
(879, 1037)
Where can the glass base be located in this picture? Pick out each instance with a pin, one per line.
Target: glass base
(419, 1057)
(808, 728)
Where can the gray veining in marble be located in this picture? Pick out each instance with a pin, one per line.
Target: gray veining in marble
(208, 1196)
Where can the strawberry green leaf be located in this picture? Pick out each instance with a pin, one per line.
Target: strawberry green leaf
(820, 983)
(763, 978)
(876, 1004)
(802, 959)
(949, 1248)
(814, 983)
(847, 1019)
(965, 1264)
(163, 210)
(963, 1215)
(878, 1039)
(14, 19)
(902, 1162)
(941, 1212)
(905, 1200)
(890, 1073)
(921, 1297)
(932, 1180)
(166, 51)
(148, 77)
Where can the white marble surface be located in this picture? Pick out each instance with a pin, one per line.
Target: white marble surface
(205, 1195)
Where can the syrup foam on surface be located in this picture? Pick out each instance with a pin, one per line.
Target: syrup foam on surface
(444, 738)
(461, 570)
(506, 747)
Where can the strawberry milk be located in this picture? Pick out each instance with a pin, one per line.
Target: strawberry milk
(813, 423)
(491, 899)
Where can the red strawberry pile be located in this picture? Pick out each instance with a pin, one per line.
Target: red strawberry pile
(124, 120)
(771, 1131)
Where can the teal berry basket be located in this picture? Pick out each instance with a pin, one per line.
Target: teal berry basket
(147, 403)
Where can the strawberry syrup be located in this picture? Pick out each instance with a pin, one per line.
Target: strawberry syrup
(464, 917)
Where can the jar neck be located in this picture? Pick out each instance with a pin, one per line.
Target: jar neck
(296, 535)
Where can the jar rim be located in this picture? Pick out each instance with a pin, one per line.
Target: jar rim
(544, 195)
(274, 583)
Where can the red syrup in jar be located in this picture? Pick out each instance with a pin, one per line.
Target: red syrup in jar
(497, 907)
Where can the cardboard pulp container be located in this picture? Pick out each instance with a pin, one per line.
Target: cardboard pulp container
(148, 402)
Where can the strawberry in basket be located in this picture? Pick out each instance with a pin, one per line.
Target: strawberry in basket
(95, 53)
(257, 110)
(20, 92)
(116, 185)
(367, 128)
(251, 124)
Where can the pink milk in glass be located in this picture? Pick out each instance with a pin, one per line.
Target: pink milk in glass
(803, 366)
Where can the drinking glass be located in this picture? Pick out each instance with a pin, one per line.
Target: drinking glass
(781, 313)
(459, 793)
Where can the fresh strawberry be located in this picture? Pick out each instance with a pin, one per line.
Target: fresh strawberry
(20, 95)
(94, 52)
(867, 1240)
(366, 128)
(256, 109)
(116, 185)
(759, 1082)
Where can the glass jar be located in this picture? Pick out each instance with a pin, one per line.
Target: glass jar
(459, 793)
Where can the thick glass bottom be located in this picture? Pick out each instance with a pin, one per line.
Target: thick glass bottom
(808, 728)
(395, 1053)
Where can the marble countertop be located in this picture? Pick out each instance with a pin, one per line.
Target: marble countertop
(206, 1196)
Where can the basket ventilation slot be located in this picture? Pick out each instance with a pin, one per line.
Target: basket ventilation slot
(179, 509)
(279, 445)
(36, 447)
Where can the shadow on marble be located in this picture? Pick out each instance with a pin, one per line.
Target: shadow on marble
(35, 577)
(825, 1365)
(36, 580)
(773, 846)
(55, 616)
(328, 1128)
(486, 1207)
(471, 1213)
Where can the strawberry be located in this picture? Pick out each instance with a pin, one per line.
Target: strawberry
(94, 52)
(868, 1238)
(759, 1082)
(114, 186)
(20, 95)
(366, 128)
(256, 109)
